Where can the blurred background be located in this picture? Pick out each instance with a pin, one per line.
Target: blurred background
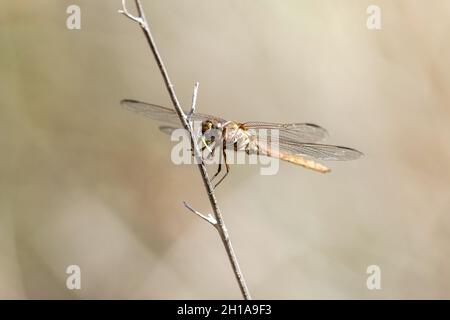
(85, 182)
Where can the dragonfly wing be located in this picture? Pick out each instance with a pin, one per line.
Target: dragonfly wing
(152, 111)
(305, 154)
(168, 129)
(162, 114)
(319, 151)
(305, 132)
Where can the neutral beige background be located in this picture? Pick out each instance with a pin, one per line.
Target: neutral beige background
(85, 182)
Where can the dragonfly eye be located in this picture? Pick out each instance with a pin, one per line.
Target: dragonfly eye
(206, 125)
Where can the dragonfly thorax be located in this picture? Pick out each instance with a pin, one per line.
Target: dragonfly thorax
(238, 138)
(230, 133)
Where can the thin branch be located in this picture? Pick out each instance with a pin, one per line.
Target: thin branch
(220, 224)
(194, 101)
(209, 218)
(125, 12)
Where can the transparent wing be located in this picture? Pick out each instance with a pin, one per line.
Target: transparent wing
(167, 129)
(304, 132)
(316, 151)
(161, 114)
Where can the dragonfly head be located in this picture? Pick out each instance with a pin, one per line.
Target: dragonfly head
(206, 125)
(210, 131)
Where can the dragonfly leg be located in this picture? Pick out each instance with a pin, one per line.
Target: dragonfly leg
(219, 167)
(201, 153)
(211, 154)
(192, 150)
(227, 166)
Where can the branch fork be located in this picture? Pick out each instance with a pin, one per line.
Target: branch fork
(209, 218)
(126, 13)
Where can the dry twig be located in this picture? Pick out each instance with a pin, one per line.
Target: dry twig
(216, 220)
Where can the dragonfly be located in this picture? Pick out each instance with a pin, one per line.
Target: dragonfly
(298, 143)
